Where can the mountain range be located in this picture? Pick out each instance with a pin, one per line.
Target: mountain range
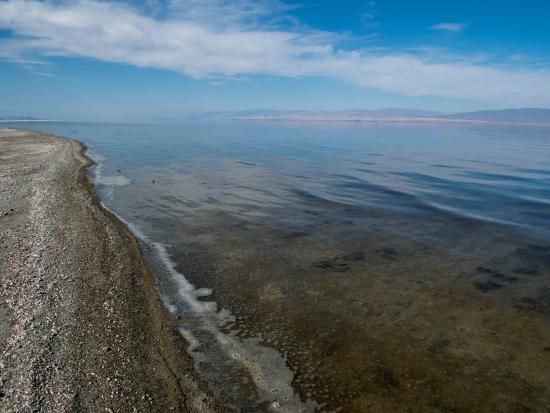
(527, 116)
(522, 116)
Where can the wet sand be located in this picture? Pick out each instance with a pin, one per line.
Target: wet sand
(83, 328)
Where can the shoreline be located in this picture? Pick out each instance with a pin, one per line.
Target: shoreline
(87, 328)
(440, 121)
(397, 121)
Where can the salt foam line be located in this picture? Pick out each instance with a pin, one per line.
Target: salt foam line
(267, 366)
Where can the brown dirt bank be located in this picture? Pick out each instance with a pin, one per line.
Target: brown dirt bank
(87, 330)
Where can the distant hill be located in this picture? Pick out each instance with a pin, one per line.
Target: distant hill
(341, 115)
(533, 116)
(528, 115)
(396, 113)
(524, 116)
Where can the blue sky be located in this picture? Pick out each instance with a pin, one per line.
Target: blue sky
(134, 61)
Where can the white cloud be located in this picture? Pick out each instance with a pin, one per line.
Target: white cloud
(43, 74)
(223, 13)
(192, 45)
(449, 27)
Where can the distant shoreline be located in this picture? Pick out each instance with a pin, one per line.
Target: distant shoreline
(389, 120)
(327, 117)
(28, 120)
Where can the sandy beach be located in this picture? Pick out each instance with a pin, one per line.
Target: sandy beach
(82, 326)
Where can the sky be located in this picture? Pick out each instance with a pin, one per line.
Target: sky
(154, 59)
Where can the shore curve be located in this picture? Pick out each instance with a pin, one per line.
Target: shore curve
(85, 327)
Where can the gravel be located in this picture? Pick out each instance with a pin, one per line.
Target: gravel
(85, 329)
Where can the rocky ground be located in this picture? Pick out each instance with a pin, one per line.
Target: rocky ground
(84, 329)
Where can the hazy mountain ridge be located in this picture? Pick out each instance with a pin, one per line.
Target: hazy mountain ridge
(355, 114)
(524, 116)
(531, 116)
(527, 115)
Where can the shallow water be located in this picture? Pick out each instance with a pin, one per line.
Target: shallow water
(352, 266)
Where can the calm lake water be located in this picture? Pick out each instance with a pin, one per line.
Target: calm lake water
(344, 266)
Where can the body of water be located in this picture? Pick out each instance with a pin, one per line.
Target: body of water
(344, 266)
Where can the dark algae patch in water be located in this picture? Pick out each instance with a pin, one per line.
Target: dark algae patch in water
(373, 321)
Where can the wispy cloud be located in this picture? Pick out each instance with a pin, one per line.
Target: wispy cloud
(43, 74)
(449, 27)
(241, 12)
(191, 43)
